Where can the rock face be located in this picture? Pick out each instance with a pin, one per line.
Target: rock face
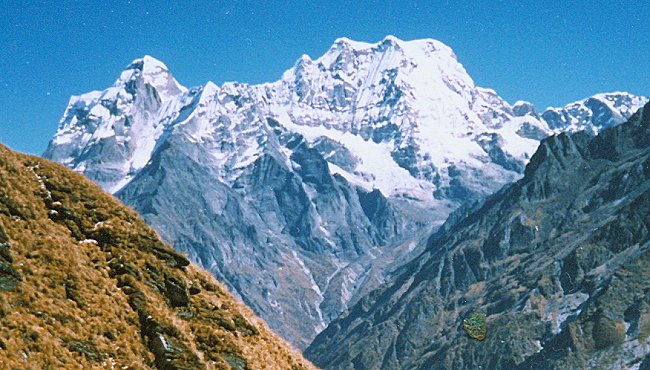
(267, 233)
(317, 185)
(84, 283)
(559, 261)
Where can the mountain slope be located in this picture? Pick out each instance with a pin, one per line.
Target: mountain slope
(290, 240)
(559, 262)
(316, 185)
(84, 283)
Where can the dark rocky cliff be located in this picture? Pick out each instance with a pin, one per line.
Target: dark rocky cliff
(559, 262)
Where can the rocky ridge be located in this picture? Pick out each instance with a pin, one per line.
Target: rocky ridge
(559, 261)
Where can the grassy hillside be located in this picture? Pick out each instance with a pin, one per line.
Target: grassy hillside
(84, 283)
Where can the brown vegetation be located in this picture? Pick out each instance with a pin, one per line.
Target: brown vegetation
(84, 283)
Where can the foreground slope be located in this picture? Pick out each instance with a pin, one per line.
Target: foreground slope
(84, 283)
(559, 262)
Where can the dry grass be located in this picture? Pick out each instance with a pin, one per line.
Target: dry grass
(100, 290)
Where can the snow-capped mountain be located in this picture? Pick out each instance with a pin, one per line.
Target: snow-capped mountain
(304, 193)
(408, 111)
(595, 113)
(110, 135)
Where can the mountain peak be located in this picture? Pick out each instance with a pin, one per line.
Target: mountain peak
(388, 41)
(153, 72)
(147, 64)
(594, 113)
(346, 42)
(522, 108)
(391, 39)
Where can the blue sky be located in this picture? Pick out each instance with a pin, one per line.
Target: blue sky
(547, 52)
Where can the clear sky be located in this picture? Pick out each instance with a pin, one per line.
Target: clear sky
(547, 52)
